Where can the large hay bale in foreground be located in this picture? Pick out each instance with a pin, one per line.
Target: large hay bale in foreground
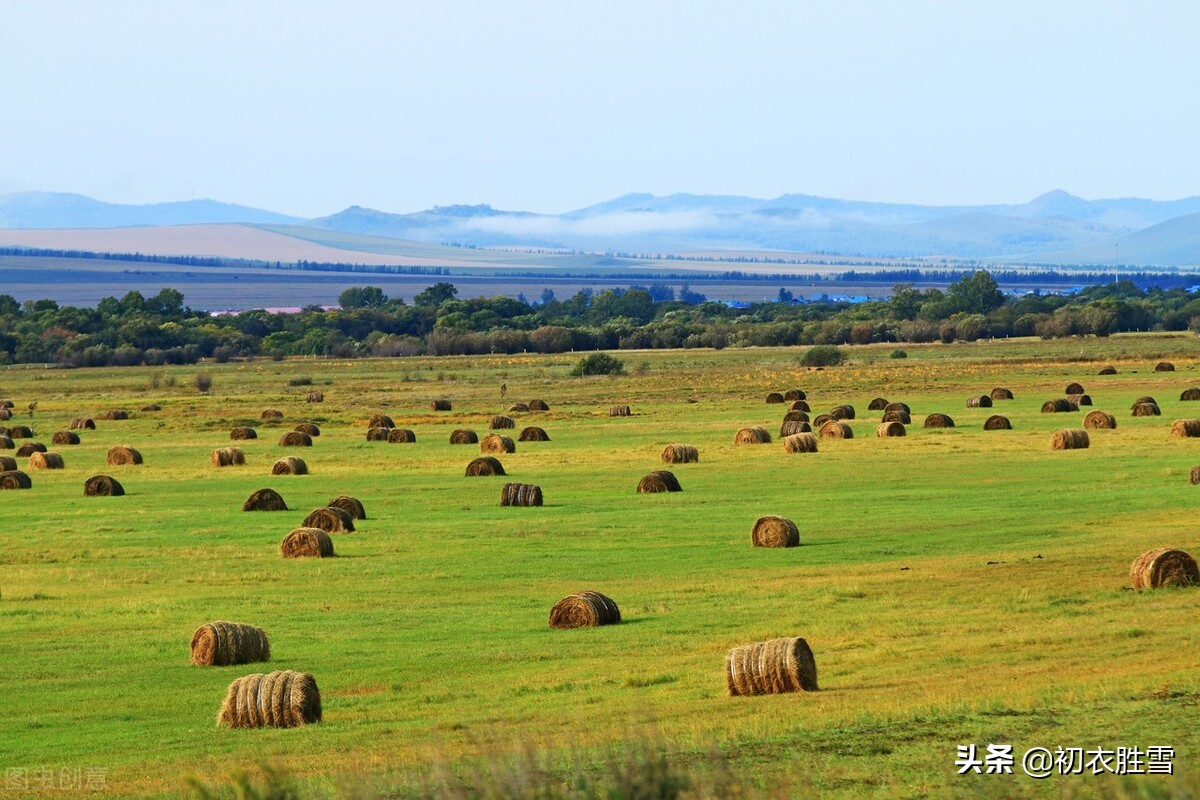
(1099, 420)
(401, 436)
(495, 443)
(242, 433)
(7, 463)
(1080, 399)
(897, 406)
(1185, 428)
(46, 460)
(1107, 370)
(888, 430)
(82, 424)
(538, 405)
(1058, 406)
(103, 486)
(14, 479)
(500, 422)
(584, 610)
(1163, 566)
(20, 432)
(1001, 393)
(802, 442)
(122, 455)
(775, 666)
(264, 500)
(519, 408)
(441, 404)
(295, 439)
(800, 405)
(843, 411)
(1074, 388)
(1189, 394)
(774, 397)
(903, 417)
(939, 421)
(378, 434)
(272, 414)
(791, 428)
(878, 404)
(308, 428)
(773, 531)
(520, 494)
(659, 481)
(680, 454)
(1164, 366)
(29, 448)
(227, 457)
(65, 437)
(533, 434)
(794, 394)
(351, 505)
(1146, 410)
(289, 465)
(117, 415)
(381, 421)
(281, 699)
(620, 411)
(330, 520)
(306, 543)
(979, 401)
(484, 466)
(315, 397)
(755, 435)
(997, 422)
(833, 429)
(220, 644)
(461, 436)
(1069, 439)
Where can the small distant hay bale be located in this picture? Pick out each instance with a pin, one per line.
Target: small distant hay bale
(776, 666)
(795, 416)
(773, 531)
(1185, 428)
(7, 404)
(519, 407)
(680, 454)
(441, 404)
(330, 520)
(242, 433)
(835, 430)
(538, 405)
(7, 463)
(979, 401)
(803, 442)
(281, 699)
(20, 432)
(295, 439)
(495, 443)
(117, 415)
(1001, 393)
(1074, 388)
(903, 417)
(29, 448)
(289, 465)
(800, 405)
(381, 421)
(65, 437)
(103, 486)
(843, 411)
(520, 494)
(1161, 567)
(309, 428)
(878, 404)
(775, 397)
(896, 406)
(889, 430)
(1146, 410)
(997, 422)
(792, 427)
(533, 434)
(1189, 394)
(14, 479)
(584, 610)
(378, 434)
(485, 466)
(939, 421)
(6, 443)
(82, 423)
(1164, 366)
(152, 407)
(271, 414)
(1108, 370)
(1058, 406)
(1194, 477)
(1145, 399)
(755, 435)
(306, 543)
(351, 505)
(315, 397)
(1069, 439)
(794, 394)
(461, 436)
(659, 481)
(401, 436)
(122, 455)
(5, 414)
(619, 411)
(1099, 420)
(227, 457)
(500, 422)
(1080, 399)
(221, 644)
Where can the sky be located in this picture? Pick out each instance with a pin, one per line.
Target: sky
(306, 108)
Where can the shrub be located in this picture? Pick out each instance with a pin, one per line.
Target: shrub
(898, 353)
(204, 381)
(823, 355)
(599, 364)
(303, 380)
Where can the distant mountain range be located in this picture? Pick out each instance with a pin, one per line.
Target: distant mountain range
(1054, 228)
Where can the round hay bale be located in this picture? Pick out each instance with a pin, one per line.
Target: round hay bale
(1058, 406)
(350, 505)
(878, 404)
(772, 667)
(802, 442)
(889, 430)
(680, 454)
(289, 465)
(938, 421)
(1189, 394)
(495, 443)
(519, 407)
(220, 644)
(775, 397)
(979, 401)
(1080, 399)
(295, 439)
(533, 434)
(1000, 393)
(281, 699)
(659, 481)
(14, 479)
(753, 435)
(264, 500)
(1164, 366)
(381, 421)
(330, 520)
(306, 543)
(461, 436)
(272, 414)
(117, 415)
(800, 405)
(773, 531)
(903, 417)
(485, 466)
(20, 432)
(835, 430)
(315, 397)
(7, 463)
(520, 494)
(29, 448)
(897, 406)
(6, 443)
(1074, 388)
(538, 405)
(45, 461)
(1108, 370)
(1144, 399)
(5, 415)
(584, 610)
(1185, 428)
(1069, 439)
(441, 404)
(997, 422)
(122, 455)
(1098, 420)
(309, 428)
(794, 394)
(841, 412)
(103, 486)
(791, 428)
(500, 422)
(1161, 567)
(1194, 477)
(1146, 410)
(795, 416)
(378, 434)
(65, 437)
(227, 457)
(242, 433)
(152, 407)
(620, 411)
(7, 404)
(82, 423)
(401, 436)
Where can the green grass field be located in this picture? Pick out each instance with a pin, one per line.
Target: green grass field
(956, 586)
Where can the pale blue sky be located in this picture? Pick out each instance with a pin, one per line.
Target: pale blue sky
(307, 107)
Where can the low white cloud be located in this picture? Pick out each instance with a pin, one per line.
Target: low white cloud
(630, 223)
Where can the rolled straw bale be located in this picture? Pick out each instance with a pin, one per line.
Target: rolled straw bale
(29, 448)
(755, 435)
(82, 423)
(774, 397)
(14, 479)
(1147, 399)
(773, 531)
(889, 430)
(227, 457)
(401, 436)
(800, 405)
(45, 461)
(378, 434)
(123, 455)
(282, 699)
(897, 406)
(20, 432)
(620, 411)
(381, 421)
(794, 394)
(1001, 393)
(7, 404)
(790, 428)
(7, 463)
(330, 520)
(997, 422)
(979, 401)
(1190, 394)
(1163, 567)
(1069, 439)
(351, 505)
(242, 433)
(441, 404)
(803, 442)
(495, 443)
(1108, 370)
(939, 421)
(501, 422)
(65, 437)
(835, 430)
(308, 428)
(1074, 388)
(484, 466)
(315, 397)
(1185, 428)
(1058, 406)
(520, 494)
(271, 414)
(264, 500)
(1080, 399)
(461, 436)
(519, 407)
(584, 610)
(775, 666)
(152, 407)
(903, 417)
(295, 439)
(1146, 410)
(103, 486)
(878, 404)
(289, 465)
(795, 416)
(6, 443)
(533, 434)
(5, 414)
(220, 644)
(538, 405)
(1097, 420)
(1164, 366)
(117, 415)
(659, 481)
(842, 411)
(680, 454)
(306, 543)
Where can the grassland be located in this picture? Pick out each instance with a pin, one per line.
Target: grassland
(957, 586)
